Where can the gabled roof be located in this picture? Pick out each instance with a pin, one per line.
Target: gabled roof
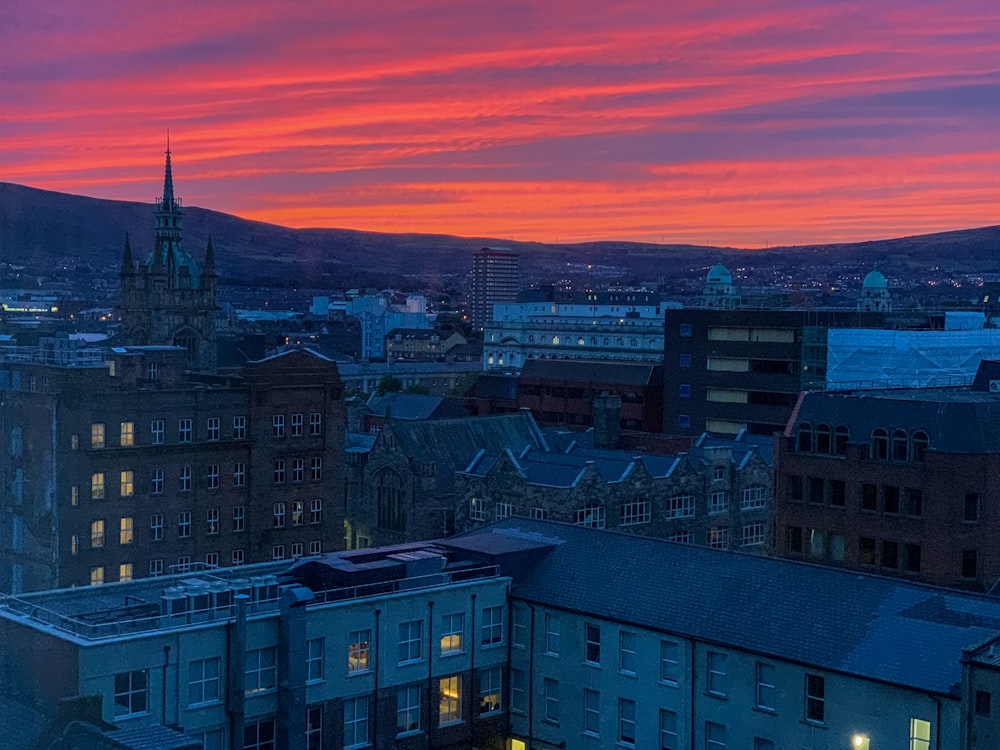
(824, 617)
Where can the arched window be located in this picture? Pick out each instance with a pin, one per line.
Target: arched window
(900, 445)
(389, 499)
(880, 445)
(841, 434)
(580, 341)
(555, 340)
(921, 442)
(823, 438)
(805, 438)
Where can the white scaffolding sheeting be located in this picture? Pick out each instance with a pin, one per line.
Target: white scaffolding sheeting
(875, 358)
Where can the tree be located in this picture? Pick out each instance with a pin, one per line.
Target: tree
(389, 384)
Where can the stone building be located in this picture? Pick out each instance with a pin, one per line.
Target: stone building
(168, 299)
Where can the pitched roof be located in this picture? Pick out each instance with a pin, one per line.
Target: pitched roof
(828, 618)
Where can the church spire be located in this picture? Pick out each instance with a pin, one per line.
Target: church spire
(168, 180)
(209, 269)
(128, 265)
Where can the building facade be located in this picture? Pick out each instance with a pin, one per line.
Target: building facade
(118, 465)
(495, 278)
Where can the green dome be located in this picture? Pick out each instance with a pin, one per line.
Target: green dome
(719, 275)
(875, 280)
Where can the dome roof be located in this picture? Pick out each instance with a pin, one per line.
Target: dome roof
(875, 280)
(719, 275)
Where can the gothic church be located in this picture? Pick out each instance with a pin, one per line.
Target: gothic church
(167, 299)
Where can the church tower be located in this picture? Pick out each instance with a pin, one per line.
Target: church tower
(167, 299)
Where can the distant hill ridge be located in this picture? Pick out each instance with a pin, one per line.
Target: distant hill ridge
(41, 229)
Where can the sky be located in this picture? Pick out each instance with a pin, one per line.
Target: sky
(748, 124)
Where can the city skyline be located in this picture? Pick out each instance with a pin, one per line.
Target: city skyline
(787, 123)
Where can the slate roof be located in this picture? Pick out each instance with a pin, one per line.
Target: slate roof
(838, 620)
(958, 420)
(625, 373)
(404, 405)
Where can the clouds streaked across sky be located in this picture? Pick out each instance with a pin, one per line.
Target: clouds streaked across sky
(780, 122)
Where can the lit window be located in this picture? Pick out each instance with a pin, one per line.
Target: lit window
(97, 485)
(298, 511)
(125, 572)
(131, 693)
(449, 699)
(477, 509)
(358, 651)
(97, 575)
(127, 434)
(97, 534)
(97, 435)
(125, 531)
(126, 484)
(452, 630)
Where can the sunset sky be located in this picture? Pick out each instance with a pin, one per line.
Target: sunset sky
(728, 123)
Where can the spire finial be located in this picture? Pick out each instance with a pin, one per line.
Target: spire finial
(168, 180)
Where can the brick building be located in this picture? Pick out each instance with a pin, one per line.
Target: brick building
(118, 465)
(902, 481)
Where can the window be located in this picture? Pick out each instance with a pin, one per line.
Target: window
(550, 689)
(984, 699)
(358, 651)
(212, 520)
(491, 630)
(156, 527)
(869, 497)
(213, 428)
(156, 431)
(97, 485)
(635, 511)
(765, 697)
(315, 511)
(718, 537)
(970, 563)
(125, 572)
(279, 516)
(278, 470)
(126, 435)
(278, 552)
(890, 499)
(237, 557)
(477, 509)
(759, 743)
(258, 734)
(718, 502)
(74, 442)
(752, 498)
(239, 428)
(97, 575)
(920, 734)
(409, 641)
(592, 643)
(212, 559)
(817, 489)
(715, 736)
(866, 550)
(389, 500)
(239, 474)
(685, 330)
(126, 483)
(356, 722)
(838, 493)
(156, 568)
(668, 730)
(315, 423)
(296, 550)
(551, 633)
(519, 625)
(315, 548)
(315, 648)
(752, 534)
(680, 506)
(204, 680)
(900, 445)
(685, 360)
(502, 510)
(74, 544)
(97, 435)
(796, 491)
(716, 673)
(878, 449)
(278, 425)
(184, 524)
(239, 518)
(408, 709)
(298, 469)
(911, 561)
(125, 531)
(971, 507)
(921, 442)
(591, 712)
(684, 390)
(518, 692)
(452, 632)
(74, 495)
(449, 699)
(815, 698)
(823, 442)
(490, 690)
(670, 666)
(298, 512)
(261, 671)
(626, 721)
(185, 430)
(316, 468)
(626, 652)
(213, 476)
(890, 554)
(314, 728)
(185, 479)
(681, 537)
(97, 534)
(156, 482)
(840, 436)
(296, 423)
(131, 693)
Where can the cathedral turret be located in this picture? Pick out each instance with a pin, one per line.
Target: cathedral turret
(128, 265)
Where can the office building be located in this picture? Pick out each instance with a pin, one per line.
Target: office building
(494, 279)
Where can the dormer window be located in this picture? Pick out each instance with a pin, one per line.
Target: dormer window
(879, 449)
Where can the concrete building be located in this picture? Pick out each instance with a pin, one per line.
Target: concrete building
(900, 481)
(118, 465)
(495, 279)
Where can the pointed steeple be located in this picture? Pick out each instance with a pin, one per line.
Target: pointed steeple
(168, 180)
(128, 265)
(209, 268)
